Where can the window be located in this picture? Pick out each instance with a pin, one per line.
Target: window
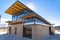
(28, 20)
(14, 18)
(17, 17)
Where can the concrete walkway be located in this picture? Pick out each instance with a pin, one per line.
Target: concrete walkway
(13, 37)
(52, 37)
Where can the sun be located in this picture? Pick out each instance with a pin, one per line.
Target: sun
(31, 6)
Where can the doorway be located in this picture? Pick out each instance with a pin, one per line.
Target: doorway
(27, 32)
(50, 32)
(15, 30)
(9, 30)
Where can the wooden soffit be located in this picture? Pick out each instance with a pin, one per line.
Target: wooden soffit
(16, 7)
(36, 16)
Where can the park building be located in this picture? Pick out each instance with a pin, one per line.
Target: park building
(26, 23)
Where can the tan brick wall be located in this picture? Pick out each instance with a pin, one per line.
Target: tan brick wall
(34, 32)
(38, 31)
(43, 31)
(19, 29)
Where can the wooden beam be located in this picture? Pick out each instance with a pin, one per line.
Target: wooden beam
(18, 7)
(15, 8)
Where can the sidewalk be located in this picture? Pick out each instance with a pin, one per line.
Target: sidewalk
(52, 37)
(11, 37)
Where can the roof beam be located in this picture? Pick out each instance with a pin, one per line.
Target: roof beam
(13, 10)
(10, 12)
(18, 7)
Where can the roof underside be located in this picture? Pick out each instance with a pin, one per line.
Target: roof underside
(16, 7)
(36, 16)
(19, 7)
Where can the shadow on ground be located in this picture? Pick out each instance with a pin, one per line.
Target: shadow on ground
(52, 37)
(12, 37)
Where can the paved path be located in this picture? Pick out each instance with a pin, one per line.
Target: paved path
(53, 37)
(13, 37)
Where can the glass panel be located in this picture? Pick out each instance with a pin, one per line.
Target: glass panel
(19, 17)
(14, 17)
(29, 20)
(37, 21)
(24, 13)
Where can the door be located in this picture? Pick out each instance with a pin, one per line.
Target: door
(50, 31)
(24, 32)
(27, 32)
(9, 30)
(15, 30)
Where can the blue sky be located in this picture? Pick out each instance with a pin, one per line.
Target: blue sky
(48, 9)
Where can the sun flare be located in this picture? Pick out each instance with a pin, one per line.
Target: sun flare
(31, 6)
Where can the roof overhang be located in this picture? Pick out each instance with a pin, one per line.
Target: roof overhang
(16, 7)
(36, 16)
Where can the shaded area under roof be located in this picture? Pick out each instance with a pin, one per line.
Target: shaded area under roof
(19, 7)
(16, 7)
(36, 16)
